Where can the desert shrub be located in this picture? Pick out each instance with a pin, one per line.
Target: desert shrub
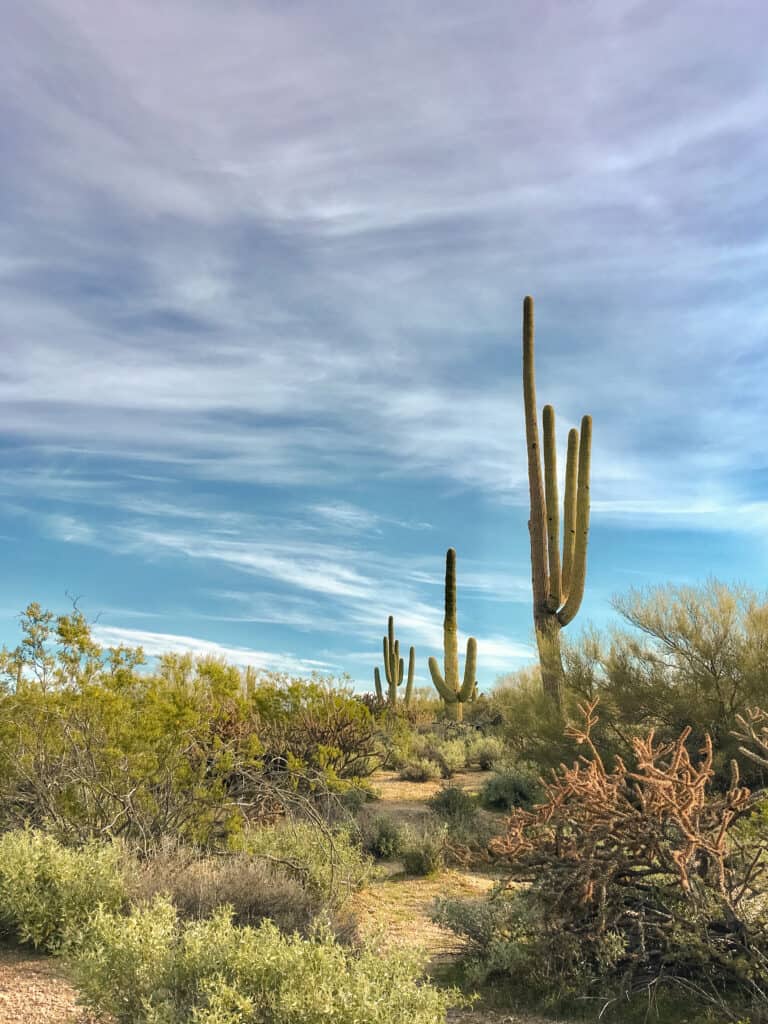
(327, 862)
(454, 805)
(196, 884)
(150, 967)
(401, 742)
(451, 755)
(91, 747)
(633, 880)
(514, 786)
(530, 725)
(421, 770)
(354, 796)
(48, 891)
(485, 752)
(490, 929)
(424, 852)
(383, 837)
(316, 726)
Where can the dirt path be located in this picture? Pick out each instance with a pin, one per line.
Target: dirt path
(34, 991)
(398, 906)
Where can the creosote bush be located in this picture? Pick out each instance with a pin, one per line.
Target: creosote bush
(512, 786)
(328, 862)
(424, 852)
(421, 770)
(383, 837)
(486, 752)
(454, 805)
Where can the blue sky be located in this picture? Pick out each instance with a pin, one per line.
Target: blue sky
(261, 277)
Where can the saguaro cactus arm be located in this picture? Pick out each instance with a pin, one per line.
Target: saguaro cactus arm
(569, 510)
(449, 693)
(552, 510)
(579, 569)
(536, 524)
(411, 675)
(377, 684)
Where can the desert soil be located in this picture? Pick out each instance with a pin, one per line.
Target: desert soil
(34, 988)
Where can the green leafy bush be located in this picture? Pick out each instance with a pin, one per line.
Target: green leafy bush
(90, 747)
(424, 853)
(383, 837)
(315, 726)
(326, 861)
(451, 755)
(515, 786)
(486, 752)
(455, 806)
(47, 891)
(491, 929)
(421, 770)
(150, 968)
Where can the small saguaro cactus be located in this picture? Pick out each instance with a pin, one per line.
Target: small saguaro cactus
(394, 668)
(558, 587)
(447, 686)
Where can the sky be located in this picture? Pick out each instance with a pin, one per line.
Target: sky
(261, 277)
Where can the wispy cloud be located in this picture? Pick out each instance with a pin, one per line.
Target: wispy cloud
(155, 644)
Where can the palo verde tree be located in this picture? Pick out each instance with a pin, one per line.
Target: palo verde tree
(558, 586)
(394, 668)
(447, 686)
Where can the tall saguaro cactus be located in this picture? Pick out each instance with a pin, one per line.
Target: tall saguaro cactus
(558, 587)
(394, 668)
(447, 686)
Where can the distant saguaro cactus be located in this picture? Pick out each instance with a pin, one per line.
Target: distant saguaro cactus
(447, 686)
(558, 588)
(394, 668)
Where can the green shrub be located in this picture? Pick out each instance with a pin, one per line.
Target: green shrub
(149, 968)
(421, 770)
(485, 925)
(424, 853)
(451, 755)
(454, 805)
(516, 786)
(354, 797)
(485, 752)
(326, 861)
(47, 891)
(383, 837)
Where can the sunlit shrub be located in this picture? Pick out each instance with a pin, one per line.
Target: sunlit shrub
(149, 968)
(48, 891)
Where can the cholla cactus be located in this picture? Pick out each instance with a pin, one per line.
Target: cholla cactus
(558, 587)
(447, 686)
(394, 668)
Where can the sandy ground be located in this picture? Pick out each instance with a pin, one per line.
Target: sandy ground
(33, 990)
